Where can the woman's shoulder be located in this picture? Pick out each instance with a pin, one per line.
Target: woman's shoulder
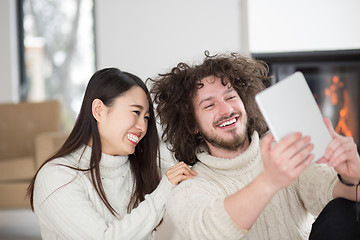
(58, 174)
(57, 165)
(67, 164)
(59, 171)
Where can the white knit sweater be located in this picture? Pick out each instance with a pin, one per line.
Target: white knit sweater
(68, 207)
(196, 206)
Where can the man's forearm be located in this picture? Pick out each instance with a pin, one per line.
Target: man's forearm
(257, 194)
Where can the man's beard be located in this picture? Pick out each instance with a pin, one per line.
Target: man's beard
(237, 142)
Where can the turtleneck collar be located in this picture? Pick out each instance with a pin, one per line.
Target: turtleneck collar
(109, 164)
(244, 162)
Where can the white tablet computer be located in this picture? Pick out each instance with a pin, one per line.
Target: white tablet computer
(289, 106)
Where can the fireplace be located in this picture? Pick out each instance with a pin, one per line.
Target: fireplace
(334, 79)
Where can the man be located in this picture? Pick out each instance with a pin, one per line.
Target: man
(247, 186)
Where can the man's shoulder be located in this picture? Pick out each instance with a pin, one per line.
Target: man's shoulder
(201, 168)
(203, 182)
(194, 191)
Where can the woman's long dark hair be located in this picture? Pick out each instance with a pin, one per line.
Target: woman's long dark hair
(108, 84)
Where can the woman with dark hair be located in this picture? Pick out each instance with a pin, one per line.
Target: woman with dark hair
(104, 182)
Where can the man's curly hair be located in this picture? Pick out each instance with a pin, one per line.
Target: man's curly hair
(173, 93)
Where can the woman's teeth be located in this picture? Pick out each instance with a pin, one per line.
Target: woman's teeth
(133, 138)
(227, 123)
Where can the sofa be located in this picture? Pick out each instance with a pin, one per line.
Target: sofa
(29, 133)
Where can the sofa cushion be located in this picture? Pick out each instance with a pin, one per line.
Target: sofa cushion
(21, 122)
(13, 195)
(17, 169)
(46, 144)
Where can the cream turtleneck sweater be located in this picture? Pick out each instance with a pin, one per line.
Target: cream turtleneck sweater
(68, 207)
(196, 206)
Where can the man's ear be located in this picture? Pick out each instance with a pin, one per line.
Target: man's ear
(98, 109)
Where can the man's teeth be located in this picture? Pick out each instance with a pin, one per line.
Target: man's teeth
(133, 138)
(227, 123)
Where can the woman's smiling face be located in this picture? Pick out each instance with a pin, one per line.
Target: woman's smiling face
(123, 124)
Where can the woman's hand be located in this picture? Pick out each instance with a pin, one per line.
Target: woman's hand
(179, 172)
(342, 154)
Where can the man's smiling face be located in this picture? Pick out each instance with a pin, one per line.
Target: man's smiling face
(221, 118)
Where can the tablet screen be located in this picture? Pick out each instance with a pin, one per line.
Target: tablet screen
(289, 106)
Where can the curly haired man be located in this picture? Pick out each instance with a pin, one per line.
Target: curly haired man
(249, 187)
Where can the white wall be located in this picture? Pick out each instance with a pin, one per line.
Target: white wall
(303, 25)
(9, 81)
(149, 37)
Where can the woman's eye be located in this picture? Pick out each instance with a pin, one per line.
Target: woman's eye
(137, 113)
(147, 118)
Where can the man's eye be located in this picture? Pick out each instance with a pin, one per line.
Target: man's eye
(209, 106)
(231, 97)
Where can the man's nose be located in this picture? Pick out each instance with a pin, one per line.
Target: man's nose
(225, 109)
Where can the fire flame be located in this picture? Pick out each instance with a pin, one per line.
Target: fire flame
(336, 87)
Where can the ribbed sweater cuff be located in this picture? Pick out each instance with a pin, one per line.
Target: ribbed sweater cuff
(161, 193)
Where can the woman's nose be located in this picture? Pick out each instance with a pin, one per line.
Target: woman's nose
(141, 124)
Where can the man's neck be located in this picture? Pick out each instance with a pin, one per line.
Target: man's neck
(225, 153)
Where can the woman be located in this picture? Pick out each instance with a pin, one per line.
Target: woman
(104, 182)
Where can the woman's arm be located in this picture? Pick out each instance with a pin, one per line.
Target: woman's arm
(63, 205)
